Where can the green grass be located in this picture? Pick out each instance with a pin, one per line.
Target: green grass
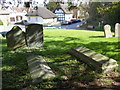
(68, 70)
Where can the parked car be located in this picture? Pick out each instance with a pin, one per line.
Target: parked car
(66, 22)
(23, 22)
(78, 20)
(3, 33)
(75, 20)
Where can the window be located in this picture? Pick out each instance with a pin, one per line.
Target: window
(18, 18)
(60, 15)
(12, 19)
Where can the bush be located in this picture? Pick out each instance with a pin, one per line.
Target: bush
(1, 23)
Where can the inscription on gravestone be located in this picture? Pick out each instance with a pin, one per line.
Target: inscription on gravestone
(15, 38)
(34, 35)
(107, 31)
(117, 30)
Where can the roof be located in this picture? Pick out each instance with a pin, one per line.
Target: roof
(4, 12)
(42, 12)
(64, 7)
(18, 9)
(12, 9)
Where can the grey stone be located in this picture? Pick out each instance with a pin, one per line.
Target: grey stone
(34, 35)
(39, 69)
(15, 38)
(107, 31)
(117, 30)
(99, 61)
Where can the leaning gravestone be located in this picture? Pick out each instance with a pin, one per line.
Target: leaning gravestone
(117, 30)
(39, 69)
(15, 38)
(34, 35)
(107, 31)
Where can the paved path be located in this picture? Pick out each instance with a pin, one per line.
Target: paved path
(74, 26)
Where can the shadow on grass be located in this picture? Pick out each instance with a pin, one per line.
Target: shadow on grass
(61, 63)
(96, 37)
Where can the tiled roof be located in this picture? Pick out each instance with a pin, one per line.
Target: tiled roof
(18, 9)
(4, 12)
(64, 7)
(12, 9)
(42, 12)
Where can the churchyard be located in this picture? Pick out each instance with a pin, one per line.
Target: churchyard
(51, 58)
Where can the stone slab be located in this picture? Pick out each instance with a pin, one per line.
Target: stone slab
(99, 61)
(39, 69)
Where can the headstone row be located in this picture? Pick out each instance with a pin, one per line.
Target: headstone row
(108, 33)
(33, 37)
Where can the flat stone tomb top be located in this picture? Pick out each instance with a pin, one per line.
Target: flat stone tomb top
(99, 61)
(39, 69)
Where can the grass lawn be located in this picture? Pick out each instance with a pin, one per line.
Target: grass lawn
(70, 73)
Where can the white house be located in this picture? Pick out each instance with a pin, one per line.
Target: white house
(4, 16)
(63, 13)
(13, 14)
(17, 14)
(41, 15)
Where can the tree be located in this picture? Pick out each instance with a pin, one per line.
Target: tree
(83, 8)
(1, 23)
(108, 12)
(93, 11)
(53, 4)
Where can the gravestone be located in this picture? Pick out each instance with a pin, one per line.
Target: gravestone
(107, 31)
(39, 69)
(34, 35)
(0, 35)
(15, 38)
(100, 62)
(117, 30)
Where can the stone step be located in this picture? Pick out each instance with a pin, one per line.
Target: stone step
(99, 61)
(39, 69)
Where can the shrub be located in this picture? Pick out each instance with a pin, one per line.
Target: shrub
(1, 23)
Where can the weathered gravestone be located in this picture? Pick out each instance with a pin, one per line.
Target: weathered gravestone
(34, 35)
(117, 30)
(15, 38)
(100, 62)
(39, 69)
(107, 31)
